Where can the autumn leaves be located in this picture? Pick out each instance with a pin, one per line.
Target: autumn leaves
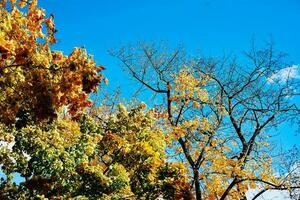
(204, 139)
(34, 78)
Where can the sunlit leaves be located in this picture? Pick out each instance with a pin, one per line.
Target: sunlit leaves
(33, 78)
(188, 88)
(125, 157)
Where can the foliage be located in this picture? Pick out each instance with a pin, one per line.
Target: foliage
(35, 81)
(73, 155)
(124, 158)
(216, 115)
(206, 139)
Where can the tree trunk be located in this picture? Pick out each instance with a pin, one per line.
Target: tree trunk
(197, 184)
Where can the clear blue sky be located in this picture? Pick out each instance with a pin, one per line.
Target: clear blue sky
(213, 26)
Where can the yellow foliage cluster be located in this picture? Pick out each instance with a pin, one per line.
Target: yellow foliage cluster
(32, 72)
(189, 88)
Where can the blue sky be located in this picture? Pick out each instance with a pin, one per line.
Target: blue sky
(211, 26)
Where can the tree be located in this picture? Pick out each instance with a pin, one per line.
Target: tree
(215, 126)
(36, 82)
(48, 137)
(257, 99)
(121, 157)
(218, 113)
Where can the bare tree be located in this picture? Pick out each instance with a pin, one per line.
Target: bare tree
(257, 98)
(256, 95)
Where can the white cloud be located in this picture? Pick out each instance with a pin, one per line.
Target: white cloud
(284, 74)
(269, 195)
(276, 194)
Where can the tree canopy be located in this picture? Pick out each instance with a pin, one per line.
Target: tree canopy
(35, 81)
(207, 138)
(218, 114)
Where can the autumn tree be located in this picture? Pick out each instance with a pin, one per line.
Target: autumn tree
(121, 156)
(60, 150)
(35, 82)
(257, 99)
(218, 114)
(214, 120)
